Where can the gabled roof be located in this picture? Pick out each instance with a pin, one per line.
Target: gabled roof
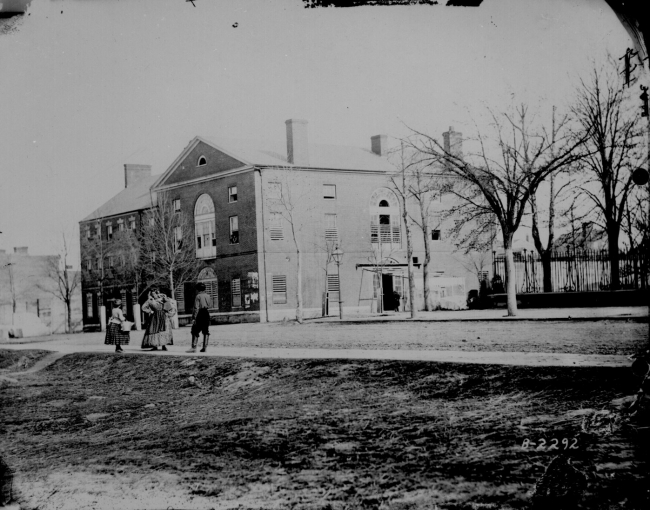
(134, 198)
(274, 153)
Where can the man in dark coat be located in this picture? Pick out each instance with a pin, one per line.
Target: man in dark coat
(201, 318)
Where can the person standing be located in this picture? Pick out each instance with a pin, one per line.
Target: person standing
(159, 331)
(396, 301)
(114, 334)
(201, 318)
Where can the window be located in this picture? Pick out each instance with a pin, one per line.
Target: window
(89, 305)
(98, 229)
(120, 225)
(89, 265)
(132, 224)
(415, 260)
(98, 263)
(331, 230)
(152, 221)
(209, 279)
(179, 296)
(177, 205)
(483, 276)
(385, 224)
(110, 261)
(178, 237)
(235, 288)
(88, 232)
(435, 235)
(329, 191)
(204, 232)
(333, 287)
(276, 230)
(275, 190)
(202, 161)
(109, 232)
(234, 230)
(232, 194)
(279, 287)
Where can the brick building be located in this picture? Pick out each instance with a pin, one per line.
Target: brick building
(249, 200)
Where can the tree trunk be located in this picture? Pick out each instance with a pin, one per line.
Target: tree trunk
(409, 254)
(299, 286)
(546, 270)
(427, 257)
(171, 284)
(615, 275)
(511, 283)
(68, 306)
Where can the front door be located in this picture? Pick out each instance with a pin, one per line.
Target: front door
(387, 284)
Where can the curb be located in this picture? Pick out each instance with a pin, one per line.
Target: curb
(487, 319)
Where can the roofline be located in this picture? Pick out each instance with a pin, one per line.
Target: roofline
(325, 169)
(235, 171)
(193, 143)
(111, 216)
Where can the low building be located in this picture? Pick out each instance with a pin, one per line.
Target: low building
(30, 303)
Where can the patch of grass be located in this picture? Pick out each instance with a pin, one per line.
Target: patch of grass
(18, 360)
(324, 434)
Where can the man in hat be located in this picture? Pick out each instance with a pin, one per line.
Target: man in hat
(201, 318)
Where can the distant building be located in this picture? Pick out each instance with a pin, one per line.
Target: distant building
(238, 192)
(26, 285)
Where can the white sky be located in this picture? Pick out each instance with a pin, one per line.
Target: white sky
(109, 82)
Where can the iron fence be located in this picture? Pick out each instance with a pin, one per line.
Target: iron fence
(576, 271)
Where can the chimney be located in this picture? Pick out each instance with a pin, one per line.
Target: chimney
(297, 142)
(453, 142)
(135, 173)
(379, 144)
(20, 250)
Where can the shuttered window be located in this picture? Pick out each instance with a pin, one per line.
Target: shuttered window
(235, 288)
(333, 287)
(275, 228)
(279, 286)
(179, 296)
(89, 305)
(331, 229)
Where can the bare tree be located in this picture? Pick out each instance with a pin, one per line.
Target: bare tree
(499, 179)
(399, 184)
(94, 250)
(613, 134)
(66, 281)
(556, 195)
(167, 252)
(289, 202)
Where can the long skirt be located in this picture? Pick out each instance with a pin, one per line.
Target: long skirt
(159, 331)
(115, 335)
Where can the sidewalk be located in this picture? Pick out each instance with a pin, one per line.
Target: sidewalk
(500, 314)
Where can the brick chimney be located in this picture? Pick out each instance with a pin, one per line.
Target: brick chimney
(135, 173)
(20, 250)
(379, 144)
(453, 142)
(297, 142)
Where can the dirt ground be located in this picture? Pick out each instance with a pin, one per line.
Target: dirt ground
(107, 431)
(597, 337)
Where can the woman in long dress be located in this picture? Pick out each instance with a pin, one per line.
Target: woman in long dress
(159, 329)
(114, 334)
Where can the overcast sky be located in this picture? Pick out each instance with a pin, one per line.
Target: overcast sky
(108, 82)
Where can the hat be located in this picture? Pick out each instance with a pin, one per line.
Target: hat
(200, 286)
(117, 302)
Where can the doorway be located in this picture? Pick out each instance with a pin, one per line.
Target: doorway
(387, 297)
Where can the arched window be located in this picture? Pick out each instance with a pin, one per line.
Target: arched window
(385, 223)
(202, 161)
(209, 279)
(206, 241)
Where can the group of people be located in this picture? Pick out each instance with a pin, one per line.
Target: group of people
(158, 331)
